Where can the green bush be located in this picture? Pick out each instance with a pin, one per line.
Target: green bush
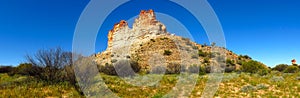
(6, 69)
(280, 67)
(173, 68)
(262, 86)
(230, 62)
(123, 68)
(194, 56)
(291, 69)
(158, 70)
(26, 69)
(202, 70)
(229, 69)
(208, 68)
(206, 60)
(247, 88)
(197, 69)
(202, 54)
(167, 52)
(152, 40)
(193, 69)
(244, 56)
(254, 67)
(263, 72)
(277, 79)
(107, 69)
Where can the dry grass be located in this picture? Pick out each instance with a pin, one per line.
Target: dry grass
(233, 85)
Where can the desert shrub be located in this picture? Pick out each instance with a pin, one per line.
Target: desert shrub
(123, 68)
(221, 59)
(163, 38)
(229, 62)
(244, 56)
(206, 60)
(152, 40)
(263, 72)
(107, 69)
(185, 39)
(247, 88)
(230, 66)
(197, 69)
(202, 70)
(26, 69)
(207, 68)
(277, 79)
(6, 69)
(229, 69)
(212, 54)
(193, 69)
(173, 68)
(291, 69)
(280, 67)
(195, 47)
(253, 67)
(167, 52)
(262, 86)
(194, 56)
(158, 70)
(202, 54)
(48, 64)
(114, 60)
(135, 66)
(295, 64)
(188, 43)
(240, 62)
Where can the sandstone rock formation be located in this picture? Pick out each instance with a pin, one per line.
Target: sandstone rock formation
(148, 40)
(145, 26)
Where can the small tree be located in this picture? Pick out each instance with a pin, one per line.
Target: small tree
(52, 63)
(291, 69)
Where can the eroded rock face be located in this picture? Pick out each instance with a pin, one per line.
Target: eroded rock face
(145, 26)
(148, 40)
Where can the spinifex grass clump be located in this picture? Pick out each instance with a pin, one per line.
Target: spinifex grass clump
(248, 88)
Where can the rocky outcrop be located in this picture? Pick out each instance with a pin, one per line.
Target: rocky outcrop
(145, 26)
(148, 40)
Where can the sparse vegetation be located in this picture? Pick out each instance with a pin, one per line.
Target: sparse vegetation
(6, 69)
(202, 54)
(291, 69)
(194, 69)
(173, 68)
(244, 56)
(280, 67)
(167, 52)
(254, 67)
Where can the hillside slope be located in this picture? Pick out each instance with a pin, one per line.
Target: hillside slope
(149, 44)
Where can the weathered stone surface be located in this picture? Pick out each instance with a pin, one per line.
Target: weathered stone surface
(147, 41)
(145, 26)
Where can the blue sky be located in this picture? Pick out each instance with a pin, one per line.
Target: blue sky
(266, 31)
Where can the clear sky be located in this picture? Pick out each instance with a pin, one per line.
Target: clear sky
(268, 31)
